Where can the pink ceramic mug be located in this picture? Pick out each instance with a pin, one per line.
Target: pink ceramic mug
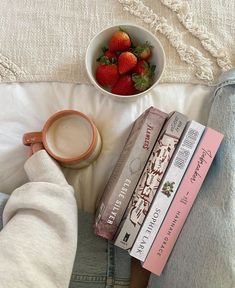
(70, 137)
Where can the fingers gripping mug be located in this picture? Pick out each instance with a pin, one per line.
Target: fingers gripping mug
(70, 137)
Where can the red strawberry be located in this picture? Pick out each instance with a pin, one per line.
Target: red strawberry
(107, 57)
(107, 72)
(120, 41)
(142, 67)
(124, 86)
(126, 62)
(143, 51)
(112, 56)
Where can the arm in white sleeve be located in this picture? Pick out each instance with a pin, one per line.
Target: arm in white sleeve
(39, 239)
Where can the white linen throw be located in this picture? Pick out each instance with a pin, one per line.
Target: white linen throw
(47, 40)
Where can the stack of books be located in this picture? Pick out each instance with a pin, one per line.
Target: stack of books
(154, 184)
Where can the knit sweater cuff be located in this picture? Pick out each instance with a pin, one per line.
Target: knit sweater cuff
(40, 167)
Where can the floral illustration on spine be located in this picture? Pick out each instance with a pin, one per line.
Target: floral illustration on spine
(168, 188)
(151, 178)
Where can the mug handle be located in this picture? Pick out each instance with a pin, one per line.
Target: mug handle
(32, 137)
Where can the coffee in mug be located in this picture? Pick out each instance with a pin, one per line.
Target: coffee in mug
(70, 137)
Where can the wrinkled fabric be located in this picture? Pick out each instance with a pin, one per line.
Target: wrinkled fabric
(204, 253)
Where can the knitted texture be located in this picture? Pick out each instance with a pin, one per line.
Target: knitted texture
(47, 40)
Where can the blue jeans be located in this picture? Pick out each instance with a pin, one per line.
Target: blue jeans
(3, 201)
(98, 263)
(204, 253)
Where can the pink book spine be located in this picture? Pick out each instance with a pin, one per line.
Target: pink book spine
(183, 201)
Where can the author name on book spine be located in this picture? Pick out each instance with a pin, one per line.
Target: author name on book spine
(148, 231)
(118, 203)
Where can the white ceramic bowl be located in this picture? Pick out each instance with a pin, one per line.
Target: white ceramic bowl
(137, 34)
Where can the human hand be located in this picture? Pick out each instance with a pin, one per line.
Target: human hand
(139, 275)
(35, 147)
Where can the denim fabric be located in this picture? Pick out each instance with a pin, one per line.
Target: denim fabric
(3, 200)
(203, 255)
(227, 78)
(98, 263)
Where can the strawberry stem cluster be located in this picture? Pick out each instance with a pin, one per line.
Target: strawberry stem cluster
(124, 68)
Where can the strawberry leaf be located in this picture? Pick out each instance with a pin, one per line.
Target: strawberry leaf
(104, 49)
(142, 82)
(103, 60)
(142, 49)
(151, 70)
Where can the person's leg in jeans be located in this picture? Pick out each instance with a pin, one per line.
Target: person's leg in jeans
(204, 252)
(98, 263)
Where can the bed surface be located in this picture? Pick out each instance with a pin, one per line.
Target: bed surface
(26, 106)
(48, 44)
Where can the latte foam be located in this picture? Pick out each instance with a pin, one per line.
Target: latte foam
(70, 136)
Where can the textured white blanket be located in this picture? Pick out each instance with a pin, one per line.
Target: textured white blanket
(46, 40)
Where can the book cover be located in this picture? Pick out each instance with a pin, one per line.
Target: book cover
(167, 189)
(150, 180)
(183, 201)
(127, 171)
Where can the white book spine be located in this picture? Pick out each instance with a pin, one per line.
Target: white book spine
(167, 190)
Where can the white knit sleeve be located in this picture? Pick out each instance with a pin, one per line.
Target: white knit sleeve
(41, 167)
(39, 238)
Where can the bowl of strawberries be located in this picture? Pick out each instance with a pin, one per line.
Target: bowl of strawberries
(125, 61)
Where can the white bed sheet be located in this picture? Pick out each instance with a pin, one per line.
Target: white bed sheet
(26, 106)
